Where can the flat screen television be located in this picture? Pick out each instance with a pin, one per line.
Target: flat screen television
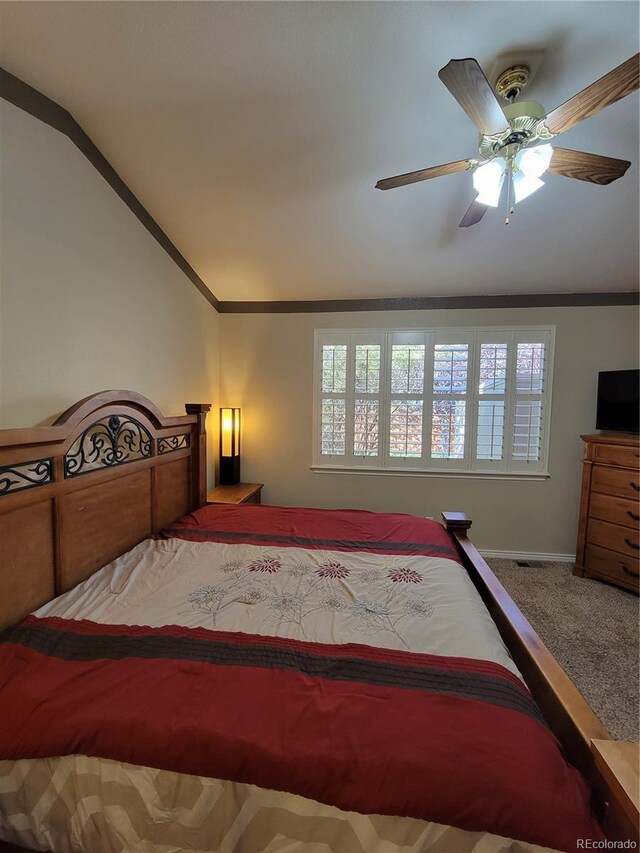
(618, 401)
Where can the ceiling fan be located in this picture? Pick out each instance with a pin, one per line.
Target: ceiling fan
(514, 139)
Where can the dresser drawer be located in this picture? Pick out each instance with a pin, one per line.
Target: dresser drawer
(612, 536)
(617, 567)
(611, 454)
(615, 481)
(614, 509)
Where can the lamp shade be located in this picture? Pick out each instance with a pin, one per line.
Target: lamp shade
(531, 163)
(488, 180)
(229, 446)
(525, 185)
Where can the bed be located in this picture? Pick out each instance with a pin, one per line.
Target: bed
(249, 678)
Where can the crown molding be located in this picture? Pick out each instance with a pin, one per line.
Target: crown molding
(26, 98)
(434, 303)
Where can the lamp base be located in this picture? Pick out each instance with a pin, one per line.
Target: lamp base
(229, 473)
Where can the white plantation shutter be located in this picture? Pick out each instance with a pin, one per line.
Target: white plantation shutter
(451, 359)
(406, 355)
(366, 389)
(492, 385)
(334, 368)
(512, 400)
(348, 393)
(333, 387)
(530, 400)
(333, 427)
(475, 400)
(490, 430)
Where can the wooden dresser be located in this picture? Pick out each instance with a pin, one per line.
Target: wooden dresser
(608, 542)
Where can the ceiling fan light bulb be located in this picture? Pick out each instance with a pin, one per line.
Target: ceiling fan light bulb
(490, 196)
(525, 185)
(534, 162)
(488, 180)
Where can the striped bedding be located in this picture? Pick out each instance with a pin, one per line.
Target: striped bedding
(337, 664)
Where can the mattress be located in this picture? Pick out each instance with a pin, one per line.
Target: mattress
(332, 674)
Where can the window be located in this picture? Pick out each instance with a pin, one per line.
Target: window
(434, 400)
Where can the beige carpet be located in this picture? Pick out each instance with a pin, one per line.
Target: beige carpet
(591, 628)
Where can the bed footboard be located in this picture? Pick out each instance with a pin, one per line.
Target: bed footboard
(566, 711)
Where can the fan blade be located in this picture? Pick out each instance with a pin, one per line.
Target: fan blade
(607, 90)
(468, 85)
(587, 167)
(425, 174)
(474, 214)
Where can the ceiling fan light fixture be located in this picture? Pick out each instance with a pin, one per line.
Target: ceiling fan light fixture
(525, 185)
(528, 165)
(508, 149)
(534, 162)
(488, 180)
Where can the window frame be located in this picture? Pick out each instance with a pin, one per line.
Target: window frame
(468, 466)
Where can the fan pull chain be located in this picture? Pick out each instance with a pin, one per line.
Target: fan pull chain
(509, 189)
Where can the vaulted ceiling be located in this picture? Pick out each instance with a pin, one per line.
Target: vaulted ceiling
(254, 133)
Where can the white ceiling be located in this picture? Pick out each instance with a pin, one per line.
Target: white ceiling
(254, 133)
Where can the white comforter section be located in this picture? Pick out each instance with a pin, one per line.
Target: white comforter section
(420, 604)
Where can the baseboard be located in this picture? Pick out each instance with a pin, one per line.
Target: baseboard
(527, 555)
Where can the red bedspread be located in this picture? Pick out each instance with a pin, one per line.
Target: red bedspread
(336, 529)
(450, 740)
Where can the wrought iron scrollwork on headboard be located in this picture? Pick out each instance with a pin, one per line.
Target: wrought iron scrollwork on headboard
(15, 478)
(110, 441)
(173, 442)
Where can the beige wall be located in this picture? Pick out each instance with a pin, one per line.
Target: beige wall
(89, 300)
(267, 362)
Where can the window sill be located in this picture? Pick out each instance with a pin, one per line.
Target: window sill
(413, 472)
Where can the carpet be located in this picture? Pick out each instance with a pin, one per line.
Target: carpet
(591, 628)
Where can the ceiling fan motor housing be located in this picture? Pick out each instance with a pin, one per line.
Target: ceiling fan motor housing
(521, 109)
(511, 82)
(525, 127)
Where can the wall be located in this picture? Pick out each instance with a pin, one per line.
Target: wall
(268, 370)
(88, 300)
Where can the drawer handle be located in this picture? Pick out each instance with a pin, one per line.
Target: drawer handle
(628, 571)
(632, 544)
(634, 486)
(633, 515)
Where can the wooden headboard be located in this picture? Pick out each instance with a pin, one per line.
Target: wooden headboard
(74, 496)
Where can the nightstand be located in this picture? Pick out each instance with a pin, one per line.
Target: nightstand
(241, 493)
